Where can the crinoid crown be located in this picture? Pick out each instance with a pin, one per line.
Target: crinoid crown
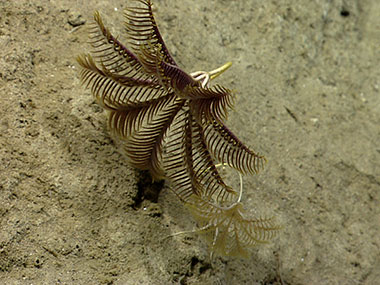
(172, 124)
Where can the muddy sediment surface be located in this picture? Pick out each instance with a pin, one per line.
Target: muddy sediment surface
(307, 79)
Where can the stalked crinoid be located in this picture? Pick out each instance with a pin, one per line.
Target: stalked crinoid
(172, 124)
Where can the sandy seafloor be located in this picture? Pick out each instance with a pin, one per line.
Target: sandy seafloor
(307, 78)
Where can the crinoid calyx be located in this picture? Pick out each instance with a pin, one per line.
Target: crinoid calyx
(172, 124)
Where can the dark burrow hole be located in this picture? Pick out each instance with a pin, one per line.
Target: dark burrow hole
(147, 189)
(344, 13)
(195, 262)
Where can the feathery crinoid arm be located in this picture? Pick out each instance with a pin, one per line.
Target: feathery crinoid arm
(227, 148)
(110, 89)
(213, 185)
(177, 157)
(146, 41)
(141, 28)
(114, 73)
(147, 60)
(227, 229)
(209, 104)
(143, 127)
(109, 52)
(126, 120)
(189, 165)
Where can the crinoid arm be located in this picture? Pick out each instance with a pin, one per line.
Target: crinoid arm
(113, 72)
(225, 224)
(209, 104)
(142, 28)
(112, 55)
(112, 90)
(227, 148)
(227, 229)
(189, 165)
(142, 128)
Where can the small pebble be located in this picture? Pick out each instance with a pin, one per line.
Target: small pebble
(75, 19)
